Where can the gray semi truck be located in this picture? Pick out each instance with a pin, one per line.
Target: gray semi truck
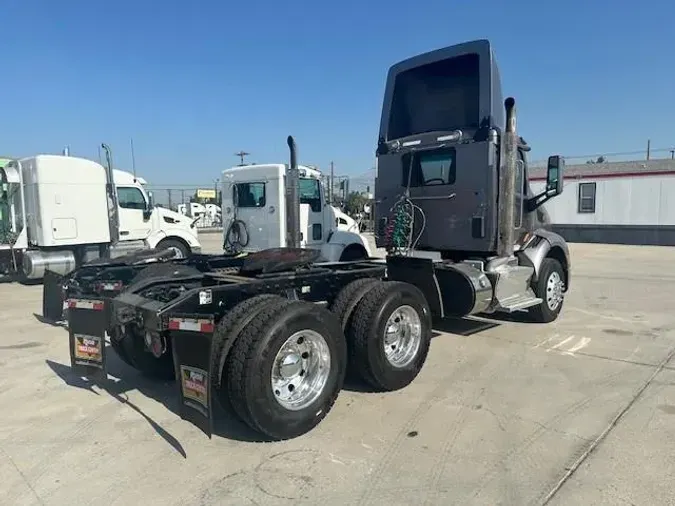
(273, 334)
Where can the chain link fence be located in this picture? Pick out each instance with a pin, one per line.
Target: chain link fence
(204, 201)
(200, 202)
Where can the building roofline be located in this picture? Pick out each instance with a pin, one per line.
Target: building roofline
(636, 168)
(611, 175)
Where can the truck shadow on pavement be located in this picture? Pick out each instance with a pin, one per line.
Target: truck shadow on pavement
(126, 379)
(47, 321)
(464, 327)
(225, 424)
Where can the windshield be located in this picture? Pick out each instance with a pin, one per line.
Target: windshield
(439, 96)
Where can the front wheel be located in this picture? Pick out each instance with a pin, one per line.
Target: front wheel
(180, 249)
(550, 287)
(286, 368)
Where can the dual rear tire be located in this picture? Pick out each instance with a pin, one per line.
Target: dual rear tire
(285, 366)
(280, 364)
(388, 330)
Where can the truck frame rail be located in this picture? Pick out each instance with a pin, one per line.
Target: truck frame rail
(180, 314)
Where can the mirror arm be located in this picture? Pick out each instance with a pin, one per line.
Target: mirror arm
(538, 200)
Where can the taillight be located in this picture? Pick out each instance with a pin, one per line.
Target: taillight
(109, 286)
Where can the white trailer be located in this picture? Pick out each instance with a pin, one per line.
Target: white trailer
(254, 206)
(61, 211)
(630, 202)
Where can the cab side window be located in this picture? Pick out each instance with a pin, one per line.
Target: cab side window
(130, 198)
(249, 194)
(310, 193)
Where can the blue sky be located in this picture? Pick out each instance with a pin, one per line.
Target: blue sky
(194, 82)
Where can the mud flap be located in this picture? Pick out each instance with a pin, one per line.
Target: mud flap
(88, 321)
(191, 343)
(52, 296)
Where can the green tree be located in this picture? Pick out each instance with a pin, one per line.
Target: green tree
(354, 203)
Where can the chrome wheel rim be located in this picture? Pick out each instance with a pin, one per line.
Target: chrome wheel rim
(300, 370)
(402, 336)
(554, 291)
(178, 254)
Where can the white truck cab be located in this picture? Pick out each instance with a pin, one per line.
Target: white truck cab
(57, 215)
(254, 213)
(140, 220)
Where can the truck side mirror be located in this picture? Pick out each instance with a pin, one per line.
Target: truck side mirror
(147, 212)
(554, 175)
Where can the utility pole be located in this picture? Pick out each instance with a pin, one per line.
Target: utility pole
(168, 191)
(215, 189)
(649, 148)
(241, 156)
(672, 154)
(330, 185)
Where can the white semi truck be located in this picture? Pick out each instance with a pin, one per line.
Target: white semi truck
(254, 207)
(59, 212)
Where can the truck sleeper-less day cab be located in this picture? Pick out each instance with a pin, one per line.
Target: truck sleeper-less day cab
(59, 212)
(254, 207)
(449, 159)
(273, 334)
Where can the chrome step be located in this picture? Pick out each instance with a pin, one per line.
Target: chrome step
(518, 303)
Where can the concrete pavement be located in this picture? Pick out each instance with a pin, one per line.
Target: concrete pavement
(581, 411)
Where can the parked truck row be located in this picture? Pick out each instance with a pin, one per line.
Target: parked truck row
(60, 212)
(273, 333)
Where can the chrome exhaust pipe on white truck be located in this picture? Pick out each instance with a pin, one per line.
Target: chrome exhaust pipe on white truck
(111, 191)
(292, 197)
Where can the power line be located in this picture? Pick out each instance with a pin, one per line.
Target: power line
(617, 153)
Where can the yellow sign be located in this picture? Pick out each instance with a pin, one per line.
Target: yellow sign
(206, 194)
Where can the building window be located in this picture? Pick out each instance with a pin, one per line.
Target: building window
(130, 198)
(249, 194)
(586, 198)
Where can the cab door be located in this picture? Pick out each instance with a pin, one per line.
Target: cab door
(310, 194)
(255, 208)
(133, 222)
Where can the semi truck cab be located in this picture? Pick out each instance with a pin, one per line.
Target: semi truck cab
(255, 207)
(59, 214)
(141, 220)
(452, 182)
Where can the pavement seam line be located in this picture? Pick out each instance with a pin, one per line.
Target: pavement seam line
(23, 476)
(613, 423)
